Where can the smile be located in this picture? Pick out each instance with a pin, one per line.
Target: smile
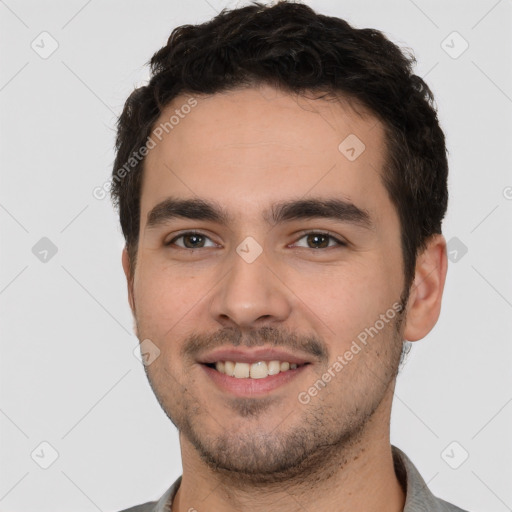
(259, 370)
(256, 379)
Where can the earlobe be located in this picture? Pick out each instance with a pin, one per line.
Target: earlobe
(426, 293)
(129, 278)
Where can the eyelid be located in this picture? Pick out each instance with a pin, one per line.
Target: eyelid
(178, 235)
(336, 238)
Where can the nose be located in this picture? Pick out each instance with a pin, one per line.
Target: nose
(251, 294)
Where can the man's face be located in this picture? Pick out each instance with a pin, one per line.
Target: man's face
(305, 294)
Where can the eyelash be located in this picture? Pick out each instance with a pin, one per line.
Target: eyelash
(339, 242)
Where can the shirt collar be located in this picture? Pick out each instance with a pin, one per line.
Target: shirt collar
(165, 502)
(418, 497)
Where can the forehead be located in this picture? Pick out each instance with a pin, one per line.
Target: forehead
(250, 148)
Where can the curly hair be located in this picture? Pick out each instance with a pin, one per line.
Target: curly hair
(291, 47)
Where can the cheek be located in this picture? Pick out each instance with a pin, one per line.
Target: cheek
(159, 299)
(167, 303)
(347, 301)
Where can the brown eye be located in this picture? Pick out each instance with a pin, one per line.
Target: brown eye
(191, 240)
(319, 240)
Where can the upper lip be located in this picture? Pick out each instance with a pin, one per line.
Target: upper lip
(239, 355)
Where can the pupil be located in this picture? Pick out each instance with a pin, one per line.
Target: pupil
(196, 237)
(316, 237)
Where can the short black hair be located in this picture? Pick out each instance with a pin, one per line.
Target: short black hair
(291, 47)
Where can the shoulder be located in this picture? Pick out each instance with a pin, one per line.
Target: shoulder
(164, 504)
(146, 507)
(444, 506)
(418, 497)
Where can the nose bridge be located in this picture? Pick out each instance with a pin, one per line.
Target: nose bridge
(250, 291)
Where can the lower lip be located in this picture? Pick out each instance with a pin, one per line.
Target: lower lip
(251, 387)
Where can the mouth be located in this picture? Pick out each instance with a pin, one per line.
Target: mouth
(257, 379)
(257, 370)
(252, 372)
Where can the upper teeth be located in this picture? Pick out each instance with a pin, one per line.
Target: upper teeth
(258, 370)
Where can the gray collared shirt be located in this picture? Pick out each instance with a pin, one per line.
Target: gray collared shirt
(418, 496)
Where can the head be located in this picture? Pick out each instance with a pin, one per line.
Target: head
(267, 126)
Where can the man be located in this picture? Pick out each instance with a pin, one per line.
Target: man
(281, 184)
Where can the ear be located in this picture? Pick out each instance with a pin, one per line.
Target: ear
(129, 278)
(424, 305)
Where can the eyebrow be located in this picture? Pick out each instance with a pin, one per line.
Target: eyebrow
(285, 211)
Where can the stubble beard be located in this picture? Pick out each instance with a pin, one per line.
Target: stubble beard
(320, 442)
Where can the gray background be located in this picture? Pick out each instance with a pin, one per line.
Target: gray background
(68, 373)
